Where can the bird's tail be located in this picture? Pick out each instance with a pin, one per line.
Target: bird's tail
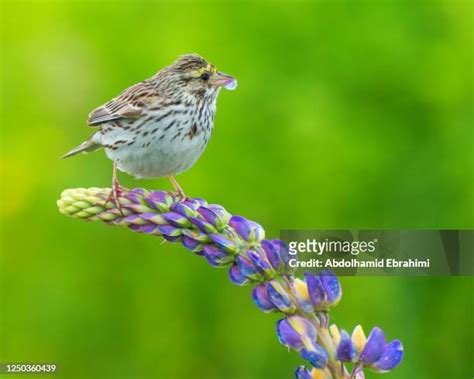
(86, 147)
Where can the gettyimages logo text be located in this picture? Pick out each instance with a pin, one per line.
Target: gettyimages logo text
(320, 247)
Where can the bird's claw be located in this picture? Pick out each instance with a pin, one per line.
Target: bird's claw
(179, 193)
(116, 191)
(181, 196)
(115, 195)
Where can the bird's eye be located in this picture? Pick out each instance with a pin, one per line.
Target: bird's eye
(205, 76)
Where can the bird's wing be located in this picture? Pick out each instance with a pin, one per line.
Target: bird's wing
(129, 104)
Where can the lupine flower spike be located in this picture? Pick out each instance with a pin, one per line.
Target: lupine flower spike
(239, 245)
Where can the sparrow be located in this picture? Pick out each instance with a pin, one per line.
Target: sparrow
(160, 126)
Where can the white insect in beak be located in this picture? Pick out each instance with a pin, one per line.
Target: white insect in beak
(231, 84)
(226, 81)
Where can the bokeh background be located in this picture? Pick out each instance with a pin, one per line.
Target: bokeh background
(348, 115)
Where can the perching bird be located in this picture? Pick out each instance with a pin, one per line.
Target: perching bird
(160, 126)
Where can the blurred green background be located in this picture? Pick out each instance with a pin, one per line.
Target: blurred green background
(348, 115)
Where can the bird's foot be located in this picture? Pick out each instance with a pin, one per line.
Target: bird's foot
(179, 193)
(115, 195)
(179, 196)
(116, 191)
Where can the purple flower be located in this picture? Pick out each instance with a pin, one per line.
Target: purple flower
(169, 230)
(300, 290)
(247, 268)
(375, 353)
(391, 357)
(277, 255)
(196, 235)
(224, 243)
(271, 252)
(215, 256)
(176, 219)
(374, 347)
(241, 226)
(192, 245)
(258, 233)
(314, 373)
(147, 228)
(184, 209)
(159, 200)
(284, 255)
(372, 352)
(317, 356)
(215, 215)
(280, 297)
(302, 373)
(331, 286)
(203, 226)
(236, 276)
(262, 299)
(296, 332)
(346, 351)
(208, 215)
(315, 289)
(222, 216)
(223, 239)
(260, 264)
(324, 289)
(134, 196)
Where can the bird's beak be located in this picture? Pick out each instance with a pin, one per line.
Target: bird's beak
(223, 80)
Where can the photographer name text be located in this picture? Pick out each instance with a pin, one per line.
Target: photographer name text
(354, 263)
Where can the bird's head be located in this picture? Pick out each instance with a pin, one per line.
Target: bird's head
(194, 76)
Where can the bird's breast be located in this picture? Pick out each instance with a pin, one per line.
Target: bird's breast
(161, 142)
